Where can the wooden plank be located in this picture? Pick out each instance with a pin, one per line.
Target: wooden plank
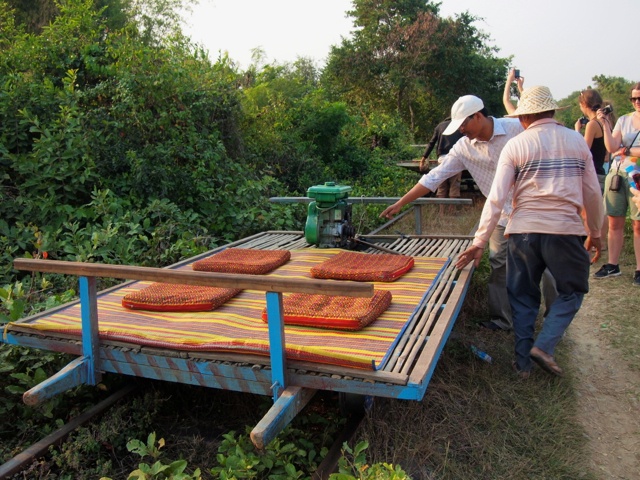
(423, 334)
(428, 358)
(426, 237)
(27, 338)
(178, 370)
(415, 341)
(292, 400)
(417, 333)
(225, 280)
(336, 383)
(89, 319)
(277, 343)
(72, 375)
(371, 376)
(110, 349)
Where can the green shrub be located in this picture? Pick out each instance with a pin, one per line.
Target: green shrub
(353, 465)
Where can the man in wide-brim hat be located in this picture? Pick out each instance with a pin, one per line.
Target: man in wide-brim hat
(553, 178)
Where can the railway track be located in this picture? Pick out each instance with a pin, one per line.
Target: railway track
(41, 447)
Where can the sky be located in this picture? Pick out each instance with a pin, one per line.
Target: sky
(562, 44)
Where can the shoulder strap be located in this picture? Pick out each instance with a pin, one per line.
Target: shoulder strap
(601, 127)
(634, 139)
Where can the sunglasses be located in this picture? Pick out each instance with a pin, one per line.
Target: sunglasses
(634, 99)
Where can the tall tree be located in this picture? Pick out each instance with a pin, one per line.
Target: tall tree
(403, 58)
(34, 14)
(155, 19)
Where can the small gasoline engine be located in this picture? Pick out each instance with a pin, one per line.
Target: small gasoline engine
(329, 216)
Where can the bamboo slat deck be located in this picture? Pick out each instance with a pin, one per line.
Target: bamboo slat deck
(405, 375)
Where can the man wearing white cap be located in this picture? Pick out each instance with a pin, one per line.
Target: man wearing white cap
(478, 152)
(549, 172)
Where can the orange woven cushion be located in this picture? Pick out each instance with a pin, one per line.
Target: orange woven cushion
(334, 312)
(243, 260)
(364, 267)
(171, 297)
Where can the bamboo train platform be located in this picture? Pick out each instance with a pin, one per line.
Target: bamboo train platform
(403, 373)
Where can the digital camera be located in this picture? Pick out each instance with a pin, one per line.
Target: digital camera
(607, 110)
(584, 120)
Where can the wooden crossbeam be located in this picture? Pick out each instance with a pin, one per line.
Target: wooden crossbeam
(223, 280)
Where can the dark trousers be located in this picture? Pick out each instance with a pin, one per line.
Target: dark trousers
(568, 262)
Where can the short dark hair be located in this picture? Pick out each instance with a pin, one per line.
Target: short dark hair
(532, 117)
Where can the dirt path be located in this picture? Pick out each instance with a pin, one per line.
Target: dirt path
(609, 393)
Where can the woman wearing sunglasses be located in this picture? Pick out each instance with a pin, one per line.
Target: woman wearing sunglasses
(623, 142)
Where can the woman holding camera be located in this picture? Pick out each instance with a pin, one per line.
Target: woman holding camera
(590, 102)
(623, 142)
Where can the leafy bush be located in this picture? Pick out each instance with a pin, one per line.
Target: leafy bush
(283, 459)
(118, 151)
(175, 470)
(353, 465)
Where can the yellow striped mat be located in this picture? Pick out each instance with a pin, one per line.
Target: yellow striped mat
(237, 326)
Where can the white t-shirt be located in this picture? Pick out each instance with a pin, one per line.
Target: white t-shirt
(624, 125)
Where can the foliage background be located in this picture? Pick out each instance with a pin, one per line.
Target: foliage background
(123, 142)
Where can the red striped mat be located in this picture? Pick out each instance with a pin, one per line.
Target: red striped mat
(237, 326)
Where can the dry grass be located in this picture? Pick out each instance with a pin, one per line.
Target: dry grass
(443, 220)
(477, 420)
(620, 319)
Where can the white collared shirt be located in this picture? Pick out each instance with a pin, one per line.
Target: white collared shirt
(479, 158)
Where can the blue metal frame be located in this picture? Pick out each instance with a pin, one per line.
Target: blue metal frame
(83, 370)
(275, 321)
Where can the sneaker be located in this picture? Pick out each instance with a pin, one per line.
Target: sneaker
(636, 279)
(608, 270)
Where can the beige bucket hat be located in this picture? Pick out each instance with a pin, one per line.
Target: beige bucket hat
(535, 100)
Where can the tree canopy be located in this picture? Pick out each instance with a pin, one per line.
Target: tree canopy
(404, 59)
(122, 141)
(613, 90)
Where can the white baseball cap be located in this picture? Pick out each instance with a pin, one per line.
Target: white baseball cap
(464, 107)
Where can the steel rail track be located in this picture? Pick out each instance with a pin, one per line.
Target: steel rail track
(20, 461)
